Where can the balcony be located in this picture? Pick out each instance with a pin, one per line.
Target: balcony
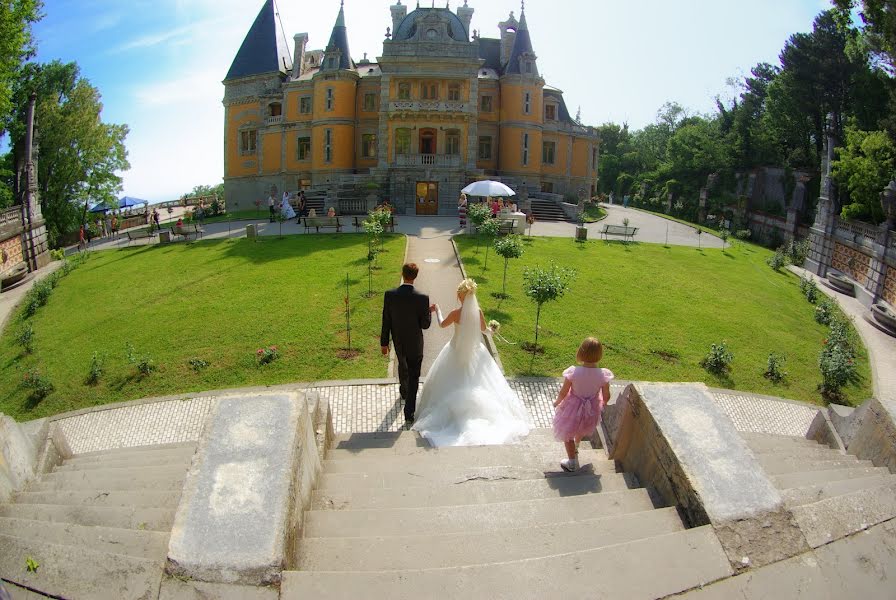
(448, 106)
(273, 120)
(428, 160)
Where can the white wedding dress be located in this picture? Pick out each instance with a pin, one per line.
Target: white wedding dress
(466, 400)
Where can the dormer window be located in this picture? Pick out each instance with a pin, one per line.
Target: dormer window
(528, 67)
(550, 112)
(333, 62)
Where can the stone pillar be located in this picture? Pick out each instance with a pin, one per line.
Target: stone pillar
(399, 12)
(34, 238)
(701, 213)
(473, 124)
(465, 13)
(821, 242)
(298, 62)
(877, 270)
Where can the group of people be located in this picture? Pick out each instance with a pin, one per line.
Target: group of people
(466, 400)
(496, 205)
(286, 209)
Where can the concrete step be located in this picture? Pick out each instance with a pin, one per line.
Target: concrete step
(473, 492)
(129, 517)
(403, 449)
(779, 465)
(159, 449)
(78, 574)
(818, 452)
(382, 439)
(477, 548)
(120, 478)
(129, 542)
(677, 561)
(140, 459)
(429, 475)
(19, 593)
(770, 440)
(814, 493)
(471, 517)
(839, 516)
(141, 498)
(807, 478)
(493, 456)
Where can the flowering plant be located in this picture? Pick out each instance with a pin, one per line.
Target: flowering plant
(266, 355)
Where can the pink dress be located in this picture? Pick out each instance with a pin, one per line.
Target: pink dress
(579, 413)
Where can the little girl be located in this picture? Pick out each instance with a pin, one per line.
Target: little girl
(585, 391)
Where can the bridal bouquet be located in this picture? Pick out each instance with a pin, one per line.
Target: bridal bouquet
(494, 327)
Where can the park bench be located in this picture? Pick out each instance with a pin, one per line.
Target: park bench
(318, 222)
(620, 230)
(139, 234)
(505, 226)
(358, 223)
(187, 230)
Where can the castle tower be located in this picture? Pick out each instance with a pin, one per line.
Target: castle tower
(508, 36)
(335, 99)
(466, 15)
(399, 12)
(522, 104)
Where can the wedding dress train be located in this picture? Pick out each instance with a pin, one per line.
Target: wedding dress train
(466, 400)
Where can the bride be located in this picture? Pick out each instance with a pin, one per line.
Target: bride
(466, 401)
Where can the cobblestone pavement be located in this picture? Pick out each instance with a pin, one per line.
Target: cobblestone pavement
(370, 407)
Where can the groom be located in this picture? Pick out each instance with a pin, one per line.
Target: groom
(406, 313)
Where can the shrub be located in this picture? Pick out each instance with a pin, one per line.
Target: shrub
(40, 385)
(97, 368)
(798, 251)
(58, 254)
(545, 285)
(266, 355)
(718, 361)
(197, 364)
(724, 234)
(809, 289)
(478, 213)
(774, 369)
(777, 260)
(824, 312)
(25, 337)
(143, 362)
(509, 247)
(838, 367)
(742, 234)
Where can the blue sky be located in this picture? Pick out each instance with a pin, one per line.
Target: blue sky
(159, 64)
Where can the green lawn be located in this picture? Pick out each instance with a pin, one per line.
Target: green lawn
(658, 310)
(218, 301)
(594, 213)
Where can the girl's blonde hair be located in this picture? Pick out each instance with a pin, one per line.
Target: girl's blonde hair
(591, 351)
(465, 287)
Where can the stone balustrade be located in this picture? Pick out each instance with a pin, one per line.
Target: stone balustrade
(11, 215)
(427, 160)
(428, 106)
(273, 120)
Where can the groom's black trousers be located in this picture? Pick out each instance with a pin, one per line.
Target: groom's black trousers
(408, 380)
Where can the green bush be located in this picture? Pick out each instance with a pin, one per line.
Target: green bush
(58, 254)
(743, 234)
(824, 312)
(774, 368)
(25, 337)
(143, 362)
(197, 364)
(40, 385)
(798, 251)
(778, 260)
(809, 289)
(96, 369)
(718, 361)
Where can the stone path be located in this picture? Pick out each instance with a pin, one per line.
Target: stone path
(11, 298)
(374, 405)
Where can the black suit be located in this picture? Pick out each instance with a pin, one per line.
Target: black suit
(405, 316)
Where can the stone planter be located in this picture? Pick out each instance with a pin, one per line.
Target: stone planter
(885, 316)
(581, 233)
(14, 276)
(842, 283)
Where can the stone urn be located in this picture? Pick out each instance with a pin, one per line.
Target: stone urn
(885, 316)
(842, 283)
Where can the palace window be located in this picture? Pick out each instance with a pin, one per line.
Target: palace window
(454, 92)
(330, 98)
(368, 145)
(452, 141)
(303, 148)
(305, 105)
(369, 102)
(528, 66)
(304, 184)
(550, 112)
(548, 152)
(525, 157)
(275, 109)
(486, 104)
(403, 141)
(527, 103)
(429, 91)
(404, 91)
(328, 145)
(485, 147)
(248, 141)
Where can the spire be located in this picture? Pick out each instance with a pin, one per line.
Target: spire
(264, 49)
(337, 56)
(522, 53)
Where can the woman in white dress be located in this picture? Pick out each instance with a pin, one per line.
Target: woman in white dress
(286, 208)
(466, 400)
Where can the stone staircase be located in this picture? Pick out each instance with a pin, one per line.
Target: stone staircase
(831, 494)
(97, 526)
(393, 518)
(547, 210)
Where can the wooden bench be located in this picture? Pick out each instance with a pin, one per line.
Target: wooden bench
(620, 230)
(186, 231)
(358, 223)
(139, 234)
(318, 222)
(506, 226)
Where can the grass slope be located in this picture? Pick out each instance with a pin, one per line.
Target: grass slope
(658, 309)
(218, 301)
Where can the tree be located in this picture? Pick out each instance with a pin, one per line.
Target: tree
(478, 213)
(80, 155)
(509, 247)
(16, 18)
(864, 168)
(545, 285)
(879, 19)
(490, 230)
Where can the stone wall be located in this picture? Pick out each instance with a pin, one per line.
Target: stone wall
(10, 253)
(852, 262)
(889, 292)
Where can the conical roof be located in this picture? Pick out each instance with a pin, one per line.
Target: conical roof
(339, 41)
(522, 44)
(264, 49)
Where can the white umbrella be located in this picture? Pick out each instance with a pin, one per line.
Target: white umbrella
(488, 188)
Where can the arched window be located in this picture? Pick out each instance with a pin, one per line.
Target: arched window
(275, 109)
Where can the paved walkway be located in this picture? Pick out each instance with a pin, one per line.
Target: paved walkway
(881, 347)
(11, 298)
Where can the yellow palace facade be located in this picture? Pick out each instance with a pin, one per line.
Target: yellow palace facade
(440, 108)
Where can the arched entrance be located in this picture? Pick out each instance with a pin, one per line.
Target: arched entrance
(427, 141)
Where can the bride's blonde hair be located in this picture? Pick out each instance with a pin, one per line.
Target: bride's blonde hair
(465, 287)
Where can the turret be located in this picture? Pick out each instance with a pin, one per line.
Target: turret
(336, 55)
(465, 13)
(522, 59)
(298, 62)
(508, 36)
(399, 12)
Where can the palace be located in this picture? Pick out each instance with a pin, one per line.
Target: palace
(440, 108)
